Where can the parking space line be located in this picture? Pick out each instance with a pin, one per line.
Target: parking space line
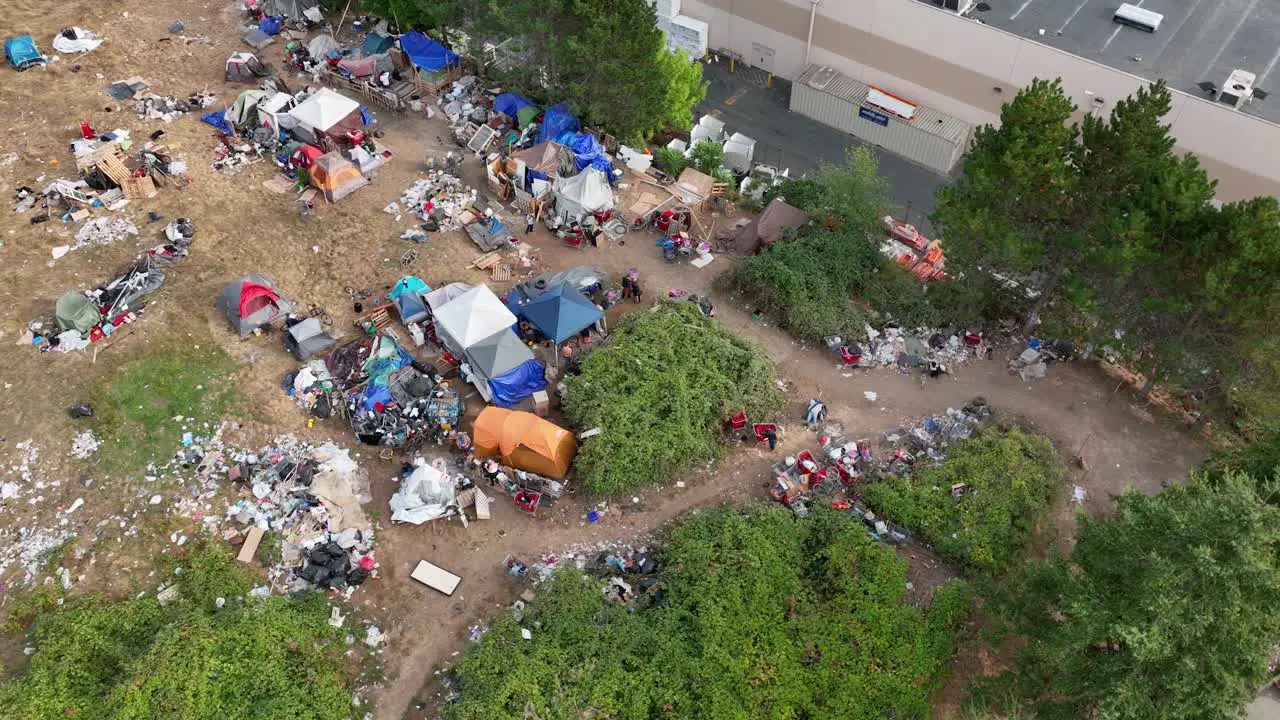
(1270, 66)
(1175, 32)
(1222, 48)
(1073, 15)
(1018, 12)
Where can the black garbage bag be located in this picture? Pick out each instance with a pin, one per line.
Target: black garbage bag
(82, 410)
(315, 574)
(357, 576)
(319, 556)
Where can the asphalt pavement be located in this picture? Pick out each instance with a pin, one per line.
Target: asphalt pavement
(790, 140)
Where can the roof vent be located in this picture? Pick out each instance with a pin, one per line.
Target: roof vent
(822, 78)
(1237, 91)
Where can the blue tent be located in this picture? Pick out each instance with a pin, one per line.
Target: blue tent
(21, 52)
(411, 284)
(514, 386)
(426, 53)
(588, 151)
(376, 44)
(557, 121)
(561, 312)
(510, 103)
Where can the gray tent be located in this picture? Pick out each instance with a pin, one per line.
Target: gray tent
(499, 354)
(74, 311)
(292, 9)
(252, 302)
(307, 338)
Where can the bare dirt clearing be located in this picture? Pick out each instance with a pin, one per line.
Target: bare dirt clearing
(241, 226)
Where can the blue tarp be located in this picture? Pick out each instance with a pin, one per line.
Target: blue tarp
(21, 51)
(561, 312)
(218, 119)
(588, 151)
(518, 384)
(510, 103)
(426, 53)
(271, 25)
(366, 117)
(374, 394)
(376, 43)
(557, 121)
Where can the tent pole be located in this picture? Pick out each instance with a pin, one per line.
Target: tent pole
(343, 19)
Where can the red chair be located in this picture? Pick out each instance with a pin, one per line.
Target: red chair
(760, 429)
(527, 501)
(848, 358)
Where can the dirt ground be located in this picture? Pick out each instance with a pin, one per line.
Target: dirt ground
(242, 227)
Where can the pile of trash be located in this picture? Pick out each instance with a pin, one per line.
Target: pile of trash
(440, 198)
(1033, 363)
(104, 231)
(311, 497)
(160, 107)
(76, 40)
(82, 317)
(931, 436)
(427, 492)
(907, 349)
(232, 157)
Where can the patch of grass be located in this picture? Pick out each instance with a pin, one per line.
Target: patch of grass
(137, 407)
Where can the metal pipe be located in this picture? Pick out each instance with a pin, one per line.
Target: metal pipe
(808, 42)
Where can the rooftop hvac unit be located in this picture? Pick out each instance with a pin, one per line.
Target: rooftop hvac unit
(1238, 89)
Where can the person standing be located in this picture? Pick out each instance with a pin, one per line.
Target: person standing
(627, 287)
(635, 289)
(595, 236)
(528, 223)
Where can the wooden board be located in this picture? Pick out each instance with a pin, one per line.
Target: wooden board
(250, 546)
(487, 260)
(435, 578)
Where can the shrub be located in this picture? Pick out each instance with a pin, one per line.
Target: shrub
(761, 616)
(1012, 477)
(670, 161)
(659, 390)
(707, 156)
(187, 660)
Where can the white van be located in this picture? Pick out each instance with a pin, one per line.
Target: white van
(1134, 16)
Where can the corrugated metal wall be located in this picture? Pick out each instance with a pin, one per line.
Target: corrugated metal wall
(900, 138)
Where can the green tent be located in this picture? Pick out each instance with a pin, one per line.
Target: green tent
(74, 311)
(527, 114)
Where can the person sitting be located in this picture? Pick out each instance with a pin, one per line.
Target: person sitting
(936, 368)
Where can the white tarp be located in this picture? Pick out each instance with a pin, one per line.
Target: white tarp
(324, 109)
(425, 495)
(321, 44)
(738, 151)
(475, 315)
(582, 194)
(82, 41)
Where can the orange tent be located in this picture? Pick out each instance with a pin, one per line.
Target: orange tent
(524, 441)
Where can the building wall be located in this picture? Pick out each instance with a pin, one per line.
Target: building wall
(955, 65)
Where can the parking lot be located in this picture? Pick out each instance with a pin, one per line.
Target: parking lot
(1198, 41)
(791, 140)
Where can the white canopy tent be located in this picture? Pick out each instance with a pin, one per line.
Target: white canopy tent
(326, 111)
(473, 316)
(582, 194)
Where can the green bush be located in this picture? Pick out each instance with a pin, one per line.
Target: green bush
(659, 390)
(1012, 477)
(707, 156)
(134, 659)
(670, 161)
(761, 616)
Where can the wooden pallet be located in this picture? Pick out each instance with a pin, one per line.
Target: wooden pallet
(487, 260)
(134, 188)
(500, 274)
(380, 316)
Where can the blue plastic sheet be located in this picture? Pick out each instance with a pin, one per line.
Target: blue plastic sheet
(518, 384)
(218, 119)
(589, 152)
(366, 117)
(374, 394)
(557, 121)
(510, 103)
(426, 53)
(271, 25)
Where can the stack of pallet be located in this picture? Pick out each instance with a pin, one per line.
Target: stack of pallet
(112, 165)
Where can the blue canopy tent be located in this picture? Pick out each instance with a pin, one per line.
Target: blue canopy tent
(557, 121)
(425, 53)
(22, 53)
(561, 312)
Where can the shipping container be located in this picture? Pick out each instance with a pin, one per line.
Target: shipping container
(920, 134)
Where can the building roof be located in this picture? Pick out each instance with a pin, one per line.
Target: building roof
(827, 80)
(1198, 42)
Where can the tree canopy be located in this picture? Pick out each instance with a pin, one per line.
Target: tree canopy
(660, 390)
(754, 615)
(1166, 610)
(607, 59)
(188, 659)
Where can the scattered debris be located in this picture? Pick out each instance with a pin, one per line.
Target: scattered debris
(84, 445)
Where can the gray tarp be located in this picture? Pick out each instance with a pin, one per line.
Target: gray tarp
(499, 354)
(425, 495)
